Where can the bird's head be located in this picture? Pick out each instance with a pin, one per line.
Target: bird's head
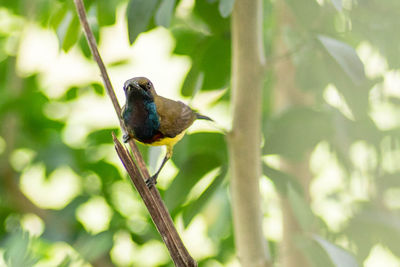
(139, 87)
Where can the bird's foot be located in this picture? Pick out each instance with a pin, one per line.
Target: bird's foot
(126, 138)
(151, 181)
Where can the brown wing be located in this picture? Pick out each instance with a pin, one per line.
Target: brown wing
(175, 116)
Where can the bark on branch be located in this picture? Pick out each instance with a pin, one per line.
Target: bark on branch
(248, 62)
(138, 174)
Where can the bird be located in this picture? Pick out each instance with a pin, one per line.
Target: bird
(154, 120)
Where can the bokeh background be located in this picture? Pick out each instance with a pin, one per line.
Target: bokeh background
(331, 117)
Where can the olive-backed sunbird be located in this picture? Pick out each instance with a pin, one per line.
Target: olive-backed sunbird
(154, 120)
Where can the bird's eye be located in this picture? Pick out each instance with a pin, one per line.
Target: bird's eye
(143, 86)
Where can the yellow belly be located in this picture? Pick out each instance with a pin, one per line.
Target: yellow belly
(169, 142)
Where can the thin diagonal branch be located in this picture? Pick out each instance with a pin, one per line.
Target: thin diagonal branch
(157, 210)
(151, 197)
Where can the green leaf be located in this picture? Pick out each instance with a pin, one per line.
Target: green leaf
(71, 93)
(381, 225)
(18, 251)
(84, 47)
(54, 153)
(100, 137)
(58, 15)
(216, 64)
(12, 5)
(196, 155)
(66, 262)
(192, 209)
(296, 131)
(221, 227)
(201, 143)
(346, 57)
(83, 44)
(282, 181)
(209, 14)
(164, 13)
(374, 23)
(337, 4)
(194, 168)
(225, 7)
(119, 62)
(301, 209)
(193, 82)
(139, 13)
(211, 60)
(69, 30)
(105, 170)
(314, 253)
(339, 256)
(92, 247)
(106, 10)
(188, 41)
(210, 67)
(44, 9)
(98, 88)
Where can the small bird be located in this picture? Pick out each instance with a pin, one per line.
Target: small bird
(154, 120)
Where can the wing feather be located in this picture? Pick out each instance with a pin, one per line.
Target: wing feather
(175, 116)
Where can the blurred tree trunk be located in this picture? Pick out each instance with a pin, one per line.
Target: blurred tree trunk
(288, 95)
(245, 139)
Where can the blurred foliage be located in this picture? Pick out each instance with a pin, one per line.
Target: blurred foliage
(323, 39)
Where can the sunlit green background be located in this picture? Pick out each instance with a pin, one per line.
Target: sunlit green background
(65, 199)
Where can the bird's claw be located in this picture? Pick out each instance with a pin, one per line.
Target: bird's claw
(126, 138)
(151, 181)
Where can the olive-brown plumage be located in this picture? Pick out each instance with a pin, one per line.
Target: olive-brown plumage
(154, 120)
(175, 116)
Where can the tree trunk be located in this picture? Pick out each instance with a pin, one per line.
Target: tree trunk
(245, 139)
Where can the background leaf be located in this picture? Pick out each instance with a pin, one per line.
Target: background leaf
(296, 131)
(164, 13)
(346, 57)
(72, 32)
(106, 10)
(225, 7)
(339, 256)
(193, 208)
(301, 210)
(139, 13)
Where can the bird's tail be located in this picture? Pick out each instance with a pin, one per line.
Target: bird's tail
(202, 117)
